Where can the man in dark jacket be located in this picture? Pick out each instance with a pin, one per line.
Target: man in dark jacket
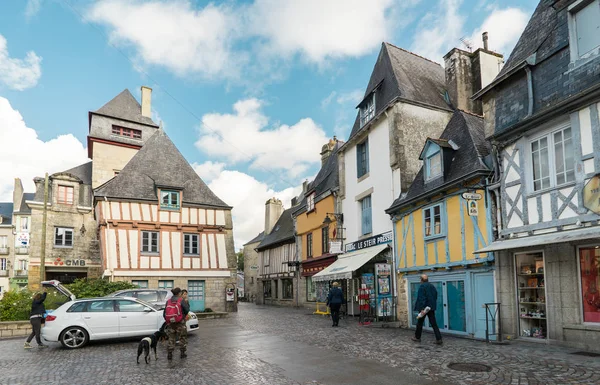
(176, 329)
(335, 299)
(427, 297)
(36, 317)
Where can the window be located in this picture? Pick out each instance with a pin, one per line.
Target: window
(366, 216)
(22, 264)
(100, 307)
(63, 237)
(267, 289)
(65, 194)
(309, 245)
(325, 239)
(367, 111)
(3, 241)
(169, 200)
(165, 284)
(24, 223)
(552, 160)
(149, 242)
(584, 20)
(148, 296)
(3, 264)
(311, 290)
(127, 132)
(190, 244)
(433, 162)
(310, 202)
(275, 288)
(362, 158)
(140, 284)
(130, 306)
(78, 307)
(589, 268)
(432, 221)
(287, 288)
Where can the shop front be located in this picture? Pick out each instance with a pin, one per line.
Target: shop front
(549, 287)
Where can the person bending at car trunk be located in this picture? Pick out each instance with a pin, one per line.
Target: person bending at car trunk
(175, 313)
(36, 318)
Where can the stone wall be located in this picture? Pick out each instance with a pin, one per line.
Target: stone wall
(15, 329)
(250, 271)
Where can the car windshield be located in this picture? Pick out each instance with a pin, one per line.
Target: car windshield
(147, 304)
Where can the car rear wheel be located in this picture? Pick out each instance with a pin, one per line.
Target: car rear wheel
(74, 337)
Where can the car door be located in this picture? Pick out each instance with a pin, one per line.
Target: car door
(136, 319)
(101, 319)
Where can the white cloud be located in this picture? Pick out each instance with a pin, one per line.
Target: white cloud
(32, 8)
(504, 27)
(218, 41)
(439, 31)
(343, 110)
(19, 74)
(248, 202)
(26, 156)
(244, 136)
(208, 170)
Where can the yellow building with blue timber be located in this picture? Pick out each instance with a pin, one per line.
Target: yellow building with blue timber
(447, 214)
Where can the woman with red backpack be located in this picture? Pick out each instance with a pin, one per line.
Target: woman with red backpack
(175, 314)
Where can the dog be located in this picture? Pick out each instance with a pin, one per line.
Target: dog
(150, 342)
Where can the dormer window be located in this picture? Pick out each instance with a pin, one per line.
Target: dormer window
(433, 162)
(65, 195)
(127, 132)
(367, 110)
(310, 202)
(169, 200)
(584, 28)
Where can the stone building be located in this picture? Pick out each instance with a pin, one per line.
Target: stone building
(22, 229)
(542, 115)
(251, 267)
(6, 243)
(161, 226)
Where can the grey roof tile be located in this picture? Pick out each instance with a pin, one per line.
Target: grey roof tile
(6, 212)
(124, 106)
(159, 164)
(23, 207)
(83, 172)
(282, 233)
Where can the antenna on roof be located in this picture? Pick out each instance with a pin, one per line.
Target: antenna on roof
(467, 43)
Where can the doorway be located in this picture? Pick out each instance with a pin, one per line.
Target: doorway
(196, 295)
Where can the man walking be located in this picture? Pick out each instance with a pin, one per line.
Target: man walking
(426, 298)
(175, 314)
(335, 299)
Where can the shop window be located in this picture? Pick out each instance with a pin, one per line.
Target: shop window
(532, 295)
(142, 284)
(169, 200)
(311, 290)
(149, 242)
(63, 237)
(325, 240)
(309, 245)
(433, 221)
(589, 264)
(366, 216)
(287, 288)
(65, 195)
(168, 284)
(190, 244)
(362, 158)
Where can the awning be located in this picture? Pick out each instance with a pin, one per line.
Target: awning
(347, 263)
(543, 239)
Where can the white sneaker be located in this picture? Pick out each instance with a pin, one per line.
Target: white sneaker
(27, 345)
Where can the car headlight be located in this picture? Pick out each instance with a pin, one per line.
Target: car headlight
(193, 315)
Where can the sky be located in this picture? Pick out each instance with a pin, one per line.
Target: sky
(248, 90)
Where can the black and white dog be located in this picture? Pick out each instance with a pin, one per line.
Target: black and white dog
(148, 343)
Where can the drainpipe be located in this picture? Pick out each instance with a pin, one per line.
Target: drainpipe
(529, 91)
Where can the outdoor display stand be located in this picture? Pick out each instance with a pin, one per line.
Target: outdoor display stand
(364, 305)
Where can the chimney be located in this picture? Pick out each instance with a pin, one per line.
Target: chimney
(304, 186)
(146, 101)
(17, 194)
(485, 40)
(273, 210)
(327, 149)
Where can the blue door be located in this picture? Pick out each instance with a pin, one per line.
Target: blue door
(196, 295)
(483, 289)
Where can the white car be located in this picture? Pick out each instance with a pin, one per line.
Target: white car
(77, 322)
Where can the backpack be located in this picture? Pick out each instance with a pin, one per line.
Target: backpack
(173, 311)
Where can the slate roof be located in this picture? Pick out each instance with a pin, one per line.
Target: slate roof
(6, 212)
(124, 106)
(23, 208)
(159, 164)
(326, 180)
(83, 172)
(282, 233)
(403, 74)
(258, 238)
(466, 131)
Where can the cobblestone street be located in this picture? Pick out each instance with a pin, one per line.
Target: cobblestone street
(266, 345)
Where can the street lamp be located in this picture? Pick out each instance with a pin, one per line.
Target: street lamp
(327, 221)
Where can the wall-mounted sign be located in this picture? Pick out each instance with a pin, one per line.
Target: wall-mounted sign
(591, 195)
(472, 208)
(69, 262)
(254, 267)
(22, 239)
(471, 196)
(370, 242)
(335, 247)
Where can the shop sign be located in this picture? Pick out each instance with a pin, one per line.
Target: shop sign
(69, 262)
(335, 247)
(370, 242)
(471, 196)
(472, 208)
(591, 195)
(22, 239)
(254, 267)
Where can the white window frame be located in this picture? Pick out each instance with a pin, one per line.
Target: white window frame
(62, 243)
(573, 46)
(3, 241)
(3, 264)
(147, 249)
(310, 202)
(140, 283)
(170, 194)
(549, 135)
(24, 224)
(189, 250)
(166, 284)
(367, 110)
